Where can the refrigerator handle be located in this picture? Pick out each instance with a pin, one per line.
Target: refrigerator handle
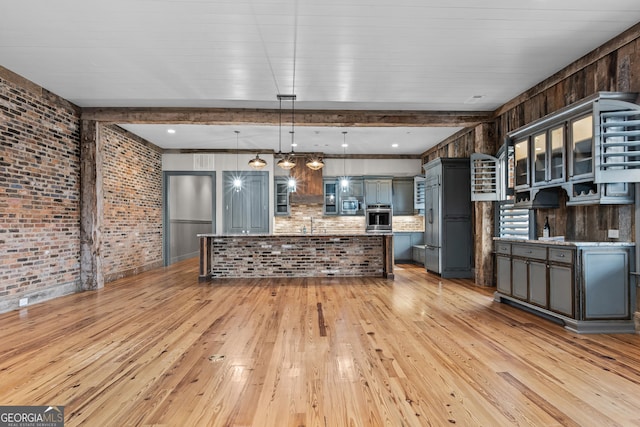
(431, 216)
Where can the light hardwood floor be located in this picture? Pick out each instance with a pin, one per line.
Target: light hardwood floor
(162, 349)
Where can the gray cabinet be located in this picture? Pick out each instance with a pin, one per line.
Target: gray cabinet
(418, 193)
(403, 243)
(538, 283)
(330, 205)
(448, 235)
(503, 267)
(418, 254)
(585, 285)
(378, 191)
(281, 205)
(247, 210)
(583, 148)
(402, 189)
(561, 297)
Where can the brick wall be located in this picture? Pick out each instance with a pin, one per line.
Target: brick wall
(39, 193)
(132, 184)
(297, 256)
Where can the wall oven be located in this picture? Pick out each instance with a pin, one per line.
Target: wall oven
(379, 218)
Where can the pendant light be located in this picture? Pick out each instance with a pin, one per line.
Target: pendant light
(287, 162)
(315, 163)
(237, 180)
(344, 180)
(257, 163)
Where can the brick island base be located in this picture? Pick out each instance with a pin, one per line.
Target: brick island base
(288, 255)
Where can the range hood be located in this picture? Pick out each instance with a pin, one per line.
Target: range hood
(309, 188)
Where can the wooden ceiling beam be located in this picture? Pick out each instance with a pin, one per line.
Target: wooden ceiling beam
(224, 116)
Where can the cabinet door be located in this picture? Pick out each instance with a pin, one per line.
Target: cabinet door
(403, 196)
(503, 265)
(235, 215)
(371, 192)
(385, 192)
(561, 289)
(538, 283)
(330, 197)
(258, 209)
(402, 247)
(432, 258)
(282, 197)
(378, 191)
(606, 284)
(519, 287)
(432, 214)
(247, 210)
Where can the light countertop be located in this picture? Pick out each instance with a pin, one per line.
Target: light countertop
(563, 242)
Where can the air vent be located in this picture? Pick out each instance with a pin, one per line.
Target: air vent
(203, 162)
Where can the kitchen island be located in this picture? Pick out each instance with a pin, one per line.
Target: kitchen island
(296, 255)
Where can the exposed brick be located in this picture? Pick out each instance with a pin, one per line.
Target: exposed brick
(39, 192)
(297, 256)
(132, 229)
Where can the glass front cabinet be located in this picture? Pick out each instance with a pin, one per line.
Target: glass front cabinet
(590, 149)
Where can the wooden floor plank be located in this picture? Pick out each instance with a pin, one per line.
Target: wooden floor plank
(163, 349)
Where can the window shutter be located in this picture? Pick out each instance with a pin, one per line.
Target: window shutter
(617, 141)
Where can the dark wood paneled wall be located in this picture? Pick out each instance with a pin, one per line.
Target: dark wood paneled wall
(614, 67)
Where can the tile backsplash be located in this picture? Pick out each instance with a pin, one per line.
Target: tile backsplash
(303, 215)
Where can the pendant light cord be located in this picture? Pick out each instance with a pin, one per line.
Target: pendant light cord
(237, 149)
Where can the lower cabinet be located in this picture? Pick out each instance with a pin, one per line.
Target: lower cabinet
(585, 285)
(403, 243)
(561, 296)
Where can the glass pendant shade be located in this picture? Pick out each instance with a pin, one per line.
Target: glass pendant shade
(315, 163)
(286, 162)
(257, 163)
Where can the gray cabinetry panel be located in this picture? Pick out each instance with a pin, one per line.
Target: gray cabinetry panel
(403, 196)
(519, 287)
(447, 213)
(606, 285)
(538, 283)
(402, 247)
(586, 285)
(561, 296)
(247, 210)
(503, 265)
(432, 258)
(378, 191)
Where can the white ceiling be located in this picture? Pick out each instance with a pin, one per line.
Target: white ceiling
(454, 55)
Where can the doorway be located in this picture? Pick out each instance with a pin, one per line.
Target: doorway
(189, 209)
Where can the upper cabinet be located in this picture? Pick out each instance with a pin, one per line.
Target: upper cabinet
(282, 196)
(403, 196)
(591, 149)
(378, 191)
(330, 205)
(418, 193)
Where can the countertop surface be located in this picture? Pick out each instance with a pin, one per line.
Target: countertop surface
(299, 235)
(563, 242)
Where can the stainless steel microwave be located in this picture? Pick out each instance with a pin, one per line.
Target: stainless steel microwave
(349, 206)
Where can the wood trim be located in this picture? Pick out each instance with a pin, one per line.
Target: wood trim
(91, 206)
(222, 116)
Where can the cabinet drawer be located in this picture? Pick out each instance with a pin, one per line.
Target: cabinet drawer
(561, 255)
(503, 248)
(528, 251)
